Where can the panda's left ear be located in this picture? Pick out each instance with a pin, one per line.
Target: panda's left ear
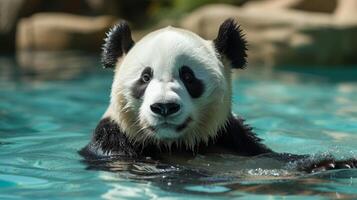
(230, 43)
(117, 43)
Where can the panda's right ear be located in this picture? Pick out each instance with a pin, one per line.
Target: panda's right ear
(117, 43)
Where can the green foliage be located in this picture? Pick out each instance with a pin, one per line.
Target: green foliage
(185, 6)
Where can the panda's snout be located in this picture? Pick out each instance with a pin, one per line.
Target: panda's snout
(165, 109)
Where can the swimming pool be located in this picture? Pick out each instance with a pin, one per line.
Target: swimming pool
(46, 118)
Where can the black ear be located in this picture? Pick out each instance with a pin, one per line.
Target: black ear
(231, 44)
(117, 43)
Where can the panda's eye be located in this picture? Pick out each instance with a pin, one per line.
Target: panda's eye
(146, 75)
(139, 87)
(194, 86)
(146, 78)
(186, 74)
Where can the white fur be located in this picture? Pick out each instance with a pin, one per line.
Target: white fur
(165, 51)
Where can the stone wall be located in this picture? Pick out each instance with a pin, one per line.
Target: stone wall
(13, 11)
(297, 32)
(279, 32)
(59, 31)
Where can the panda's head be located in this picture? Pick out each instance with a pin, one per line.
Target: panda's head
(172, 86)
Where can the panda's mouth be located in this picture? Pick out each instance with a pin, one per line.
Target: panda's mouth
(167, 125)
(183, 125)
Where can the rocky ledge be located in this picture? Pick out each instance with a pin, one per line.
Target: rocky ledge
(298, 32)
(60, 31)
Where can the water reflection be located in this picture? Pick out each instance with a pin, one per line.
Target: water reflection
(134, 178)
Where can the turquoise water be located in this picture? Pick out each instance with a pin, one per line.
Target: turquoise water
(47, 115)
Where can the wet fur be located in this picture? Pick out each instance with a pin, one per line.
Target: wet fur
(121, 132)
(108, 140)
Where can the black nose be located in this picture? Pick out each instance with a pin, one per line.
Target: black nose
(165, 109)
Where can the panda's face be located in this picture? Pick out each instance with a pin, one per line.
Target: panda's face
(167, 78)
(172, 86)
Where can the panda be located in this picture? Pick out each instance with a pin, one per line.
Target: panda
(172, 93)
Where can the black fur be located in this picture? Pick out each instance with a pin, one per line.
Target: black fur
(139, 87)
(240, 138)
(194, 86)
(109, 140)
(231, 44)
(236, 138)
(328, 164)
(117, 43)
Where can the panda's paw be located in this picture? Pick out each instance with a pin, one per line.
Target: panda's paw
(330, 164)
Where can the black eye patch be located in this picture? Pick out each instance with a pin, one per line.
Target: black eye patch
(194, 86)
(140, 85)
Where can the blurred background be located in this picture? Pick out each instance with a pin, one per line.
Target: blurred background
(299, 92)
(318, 33)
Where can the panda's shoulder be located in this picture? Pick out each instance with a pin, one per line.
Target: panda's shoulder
(108, 140)
(240, 137)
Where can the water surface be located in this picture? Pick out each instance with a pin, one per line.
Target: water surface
(48, 114)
